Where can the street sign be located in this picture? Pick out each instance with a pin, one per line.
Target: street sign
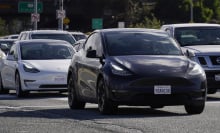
(61, 14)
(97, 23)
(66, 21)
(35, 17)
(28, 7)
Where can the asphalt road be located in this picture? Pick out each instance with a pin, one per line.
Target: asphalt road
(49, 113)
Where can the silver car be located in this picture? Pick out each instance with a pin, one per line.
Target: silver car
(36, 65)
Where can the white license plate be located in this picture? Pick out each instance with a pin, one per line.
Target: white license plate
(162, 89)
(59, 78)
(217, 77)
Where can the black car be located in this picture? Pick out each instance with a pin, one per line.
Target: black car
(141, 67)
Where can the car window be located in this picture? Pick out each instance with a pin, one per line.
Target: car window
(129, 43)
(65, 37)
(45, 51)
(79, 36)
(198, 36)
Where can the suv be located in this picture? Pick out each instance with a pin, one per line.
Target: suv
(47, 34)
(202, 42)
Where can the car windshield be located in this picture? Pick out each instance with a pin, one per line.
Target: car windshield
(140, 43)
(79, 37)
(188, 36)
(65, 37)
(45, 51)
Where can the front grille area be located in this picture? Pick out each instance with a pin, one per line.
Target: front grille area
(202, 61)
(215, 60)
(54, 86)
(212, 73)
(174, 81)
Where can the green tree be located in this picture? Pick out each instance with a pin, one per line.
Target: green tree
(3, 27)
(139, 14)
(172, 11)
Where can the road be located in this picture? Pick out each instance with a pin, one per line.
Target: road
(48, 112)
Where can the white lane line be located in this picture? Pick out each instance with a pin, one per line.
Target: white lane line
(20, 107)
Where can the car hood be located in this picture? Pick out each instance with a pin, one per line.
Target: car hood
(203, 48)
(49, 65)
(153, 65)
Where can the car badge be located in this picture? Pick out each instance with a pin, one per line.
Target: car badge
(218, 60)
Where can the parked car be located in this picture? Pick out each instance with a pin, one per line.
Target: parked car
(78, 35)
(13, 36)
(203, 40)
(134, 67)
(47, 34)
(5, 44)
(36, 65)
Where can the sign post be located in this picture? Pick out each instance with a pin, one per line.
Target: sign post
(36, 15)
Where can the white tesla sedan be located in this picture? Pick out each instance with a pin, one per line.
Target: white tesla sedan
(36, 65)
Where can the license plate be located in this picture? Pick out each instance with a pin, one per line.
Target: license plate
(217, 77)
(162, 89)
(59, 78)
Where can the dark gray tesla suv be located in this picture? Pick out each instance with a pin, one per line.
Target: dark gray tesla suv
(142, 67)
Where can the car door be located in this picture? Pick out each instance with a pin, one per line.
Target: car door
(9, 67)
(88, 68)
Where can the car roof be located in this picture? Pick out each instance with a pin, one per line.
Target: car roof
(76, 33)
(44, 41)
(131, 30)
(47, 31)
(7, 40)
(193, 25)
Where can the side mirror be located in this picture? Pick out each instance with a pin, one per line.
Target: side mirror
(91, 54)
(189, 53)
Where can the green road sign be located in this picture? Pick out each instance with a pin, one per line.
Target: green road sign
(97, 23)
(28, 7)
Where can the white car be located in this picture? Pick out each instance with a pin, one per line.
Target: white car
(202, 42)
(47, 34)
(36, 65)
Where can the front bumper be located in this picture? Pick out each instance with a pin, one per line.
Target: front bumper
(44, 82)
(211, 81)
(141, 92)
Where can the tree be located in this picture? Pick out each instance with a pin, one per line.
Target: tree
(3, 27)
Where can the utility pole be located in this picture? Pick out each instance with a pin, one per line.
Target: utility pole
(191, 11)
(35, 11)
(60, 20)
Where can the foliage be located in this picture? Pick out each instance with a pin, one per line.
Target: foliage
(3, 30)
(179, 10)
(148, 22)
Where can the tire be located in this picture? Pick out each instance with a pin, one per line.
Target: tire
(195, 109)
(18, 88)
(2, 90)
(104, 104)
(212, 91)
(73, 102)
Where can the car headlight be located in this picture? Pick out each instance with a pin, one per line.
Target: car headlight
(196, 69)
(117, 70)
(29, 68)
